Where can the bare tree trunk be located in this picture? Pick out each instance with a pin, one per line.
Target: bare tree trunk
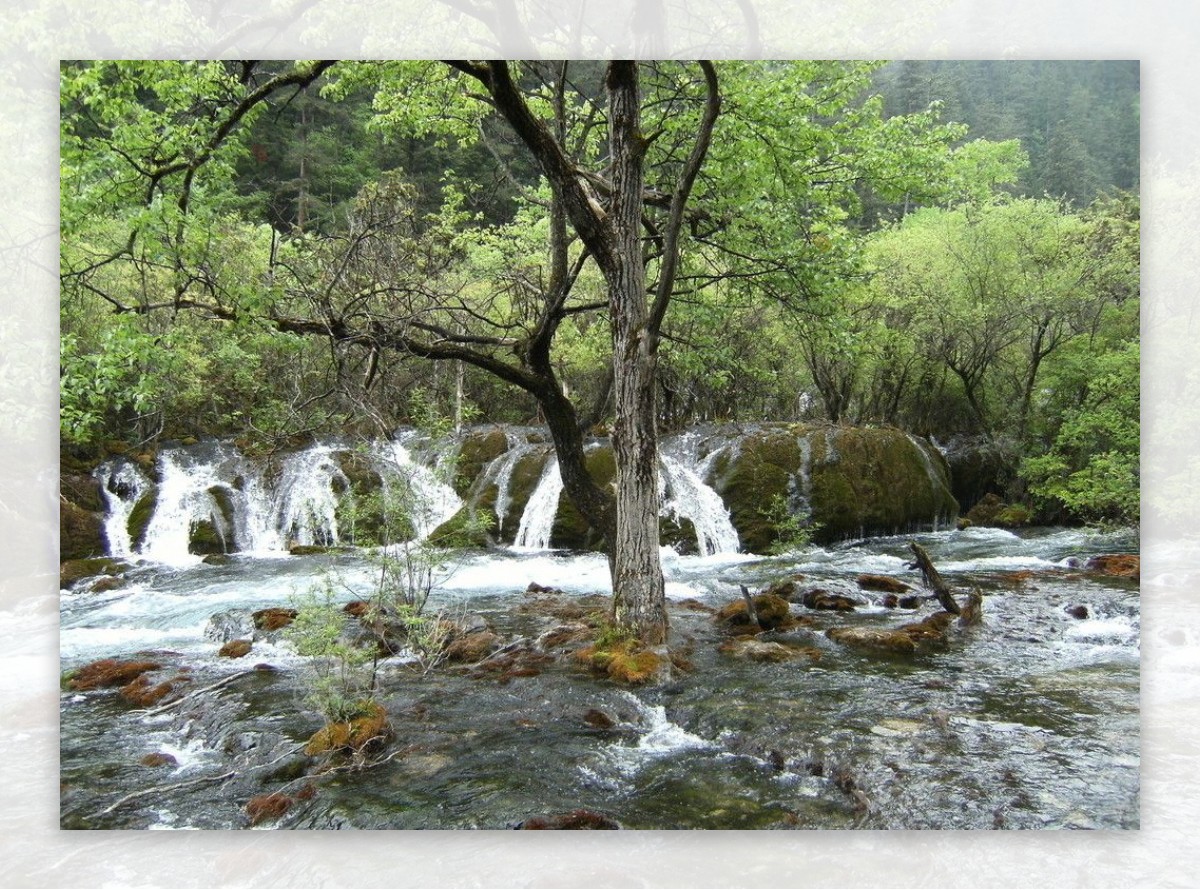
(639, 601)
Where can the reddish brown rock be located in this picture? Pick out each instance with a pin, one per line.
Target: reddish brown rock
(1118, 565)
(267, 806)
(110, 672)
(274, 618)
(882, 583)
(576, 820)
(235, 649)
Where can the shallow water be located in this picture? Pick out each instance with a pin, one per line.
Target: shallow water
(1028, 721)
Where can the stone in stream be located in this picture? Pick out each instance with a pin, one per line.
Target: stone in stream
(576, 820)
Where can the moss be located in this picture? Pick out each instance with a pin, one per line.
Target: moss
(140, 516)
(205, 538)
(772, 610)
(367, 730)
(1014, 516)
(144, 692)
(274, 618)
(477, 450)
(885, 583)
(625, 662)
(110, 672)
(473, 647)
(236, 649)
(754, 478)
(267, 806)
(360, 512)
(1119, 565)
(570, 529)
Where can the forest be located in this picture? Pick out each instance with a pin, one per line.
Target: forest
(950, 248)
(574, 444)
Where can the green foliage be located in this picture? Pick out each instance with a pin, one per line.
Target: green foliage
(339, 675)
(1092, 466)
(794, 530)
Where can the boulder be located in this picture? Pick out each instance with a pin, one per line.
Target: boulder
(110, 672)
(229, 625)
(818, 598)
(772, 610)
(81, 532)
(236, 649)
(1117, 565)
(884, 583)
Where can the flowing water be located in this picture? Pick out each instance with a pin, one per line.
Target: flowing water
(1029, 720)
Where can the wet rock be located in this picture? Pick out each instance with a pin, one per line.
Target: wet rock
(910, 602)
(110, 672)
(901, 640)
(1077, 611)
(267, 807)
(993, 512)
(565, 634)
(598, 719)
(216, 559)
(882, 583)
(357, 608)
(772, 610)
(473, 647)
(818, 598)
(535, 588)
(770, 652)
(81, 532)
(157, 759)
(693, 605)
(576, 820)
(74, 570)
(274, 618)
(308, 549)
(368, 730)
(235, 649)
(229, 625)
(890, 601)
(1117, 565)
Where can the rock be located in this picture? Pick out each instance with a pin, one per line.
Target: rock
(145, 693)
(236, 649)
(74, 570)
(308, 549)
(81, 532)
(890, 601)
(535, 588)
(216, 559)
(565, 634)
(110, 672)
(369, 730)
(773, 611)
(993, 512)
(771, 652)
(274, 618)
(159, 758)
(473, 647)
(229, 625)
(903, 640)
(1080, 612)
(356, 608)
(478, 449)
(598, 719)
(884, 583)
(818, 598)
(1117, 565)
(909, 602)
(576, 820)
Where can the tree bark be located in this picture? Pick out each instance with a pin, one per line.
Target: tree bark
(639, 600)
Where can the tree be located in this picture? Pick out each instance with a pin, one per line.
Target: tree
(629, 174)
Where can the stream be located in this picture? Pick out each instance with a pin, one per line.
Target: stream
(1029, 720)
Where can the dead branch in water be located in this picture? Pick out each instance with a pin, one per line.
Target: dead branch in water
(751, 612)
(933, 580)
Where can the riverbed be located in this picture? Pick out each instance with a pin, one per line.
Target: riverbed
(1028, 720)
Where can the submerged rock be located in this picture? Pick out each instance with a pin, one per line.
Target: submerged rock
(576, 820)
(1117, 565)
(903, 640)
(768, 651)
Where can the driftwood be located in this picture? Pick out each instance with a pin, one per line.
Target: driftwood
(933, 580)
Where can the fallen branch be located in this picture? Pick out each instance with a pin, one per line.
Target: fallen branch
(933, 580)
(161, 709)
(145, 792)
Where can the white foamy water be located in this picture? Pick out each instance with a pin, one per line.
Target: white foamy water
(659, 738)
(537, 522)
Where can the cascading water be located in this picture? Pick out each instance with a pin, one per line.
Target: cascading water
(537, 522)
(935, 479)
(427, 499)
(306, 501)
(122, 485)
(683, 495)
(500, 472)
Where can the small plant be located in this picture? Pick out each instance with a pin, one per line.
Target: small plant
(793, 529)
(339, 675)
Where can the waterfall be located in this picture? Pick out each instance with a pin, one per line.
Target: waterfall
(935, 479)
(305, 510)
(122, 485)
(537, 522)
(427, 500)
(500, 471)
(683, 495)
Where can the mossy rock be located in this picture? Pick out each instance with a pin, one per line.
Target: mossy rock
(83, 490)
(361, 515)
(462, 530)
(993, 512)
(772, 610)
(626, 662)
(570, 529)
(478, 449)
(109, 672)
(140, 516)
(369, 729)
(81, 532)
(679, 534)
(751, 478)
(73, 570)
